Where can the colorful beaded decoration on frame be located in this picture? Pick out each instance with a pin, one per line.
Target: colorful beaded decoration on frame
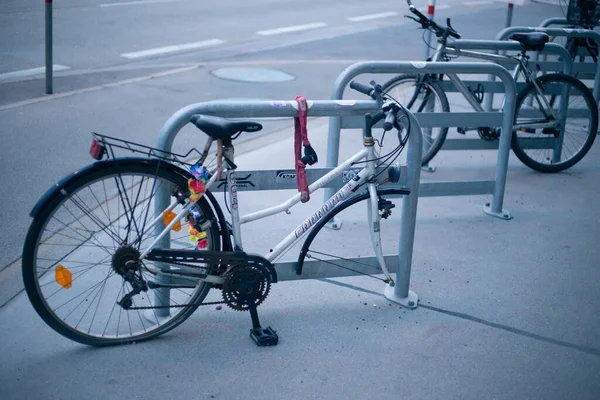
(197, 187)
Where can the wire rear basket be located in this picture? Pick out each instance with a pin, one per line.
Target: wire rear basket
(584, 13)
(114, 147)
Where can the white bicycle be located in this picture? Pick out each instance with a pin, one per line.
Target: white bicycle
(127, 248)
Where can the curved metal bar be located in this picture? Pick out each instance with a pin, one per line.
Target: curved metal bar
(394, 67)
(554, 21)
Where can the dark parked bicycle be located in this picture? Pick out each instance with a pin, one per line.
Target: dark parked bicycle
(556, 116)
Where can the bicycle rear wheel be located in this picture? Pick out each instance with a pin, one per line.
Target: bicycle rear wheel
(562, 146)
(81, 246)
(350, 248)
(421, 95)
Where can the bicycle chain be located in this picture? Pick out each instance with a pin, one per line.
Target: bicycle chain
(210, 303)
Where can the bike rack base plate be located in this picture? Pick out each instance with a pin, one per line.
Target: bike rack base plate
(409, 301)
(504, 214)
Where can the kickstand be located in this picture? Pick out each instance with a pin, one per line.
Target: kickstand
(262, 337)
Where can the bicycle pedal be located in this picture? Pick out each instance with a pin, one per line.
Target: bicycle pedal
(462, 131)
(264, 336)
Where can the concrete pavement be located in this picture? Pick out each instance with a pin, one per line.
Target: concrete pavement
(507, 311)
(508, 308)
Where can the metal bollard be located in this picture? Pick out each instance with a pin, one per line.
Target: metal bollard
(430, 15)
(48, 46)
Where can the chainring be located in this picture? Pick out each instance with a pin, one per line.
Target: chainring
(244, 285)
(489, 134)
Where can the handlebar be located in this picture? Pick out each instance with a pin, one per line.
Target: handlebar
(389, 109)
(429, 24)
(364, 89)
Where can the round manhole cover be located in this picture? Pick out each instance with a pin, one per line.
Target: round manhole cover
(262, 75)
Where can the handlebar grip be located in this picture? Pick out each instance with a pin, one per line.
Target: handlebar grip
(455, 34)
(390, 120)
(359, 87)
(418, 13)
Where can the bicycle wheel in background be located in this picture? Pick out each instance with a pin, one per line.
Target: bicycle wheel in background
(421, 95)
(81, 245)
(350, 247)
(580, 125)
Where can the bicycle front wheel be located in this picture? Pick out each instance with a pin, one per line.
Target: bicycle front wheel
(421, 95)
(360, 245)
(546, 140)
(80, 258)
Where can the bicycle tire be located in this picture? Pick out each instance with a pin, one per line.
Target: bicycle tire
(330, 239)
(79, 228)
(586, 126)
(406, 97)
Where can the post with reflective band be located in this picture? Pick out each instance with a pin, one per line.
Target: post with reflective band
(430, 14)
(509, 14)
(48, 46)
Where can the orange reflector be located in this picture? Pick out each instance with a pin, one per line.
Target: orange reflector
(63, 277)
(168, 217)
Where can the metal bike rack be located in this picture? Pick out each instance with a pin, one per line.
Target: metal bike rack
(491, 87)
(554, 21)
(427, 120)
(593, 68)
(267, 180)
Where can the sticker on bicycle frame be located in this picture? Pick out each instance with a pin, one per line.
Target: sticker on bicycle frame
(346, 102)
(168, 217)
(63, 277)
(233, 190)
(309, 104)
(350, 174)
(289, 174)
(419, 64)
(324, 209)
(279, 104)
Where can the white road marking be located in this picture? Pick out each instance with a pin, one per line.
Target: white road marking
(293, 28)
(173, 49)
(99, 87)
(479, 3)
(32, 71)
(136, 3)
(370, 17)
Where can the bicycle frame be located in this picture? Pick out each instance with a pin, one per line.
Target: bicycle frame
(365, 175)
(442, 50)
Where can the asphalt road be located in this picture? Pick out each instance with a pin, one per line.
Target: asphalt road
(43, 138)
(100, 33)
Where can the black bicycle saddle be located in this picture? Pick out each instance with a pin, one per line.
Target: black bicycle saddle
(221, 128)
(534, 41)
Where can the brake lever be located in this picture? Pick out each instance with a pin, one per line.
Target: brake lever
(450, 26)
(377, 93)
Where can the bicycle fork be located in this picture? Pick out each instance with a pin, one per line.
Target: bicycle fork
(374, 219)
